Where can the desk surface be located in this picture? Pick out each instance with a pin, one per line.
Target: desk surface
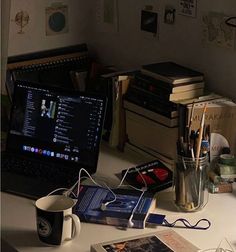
(18, 225)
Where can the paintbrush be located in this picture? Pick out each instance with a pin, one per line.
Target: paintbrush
(199, 140)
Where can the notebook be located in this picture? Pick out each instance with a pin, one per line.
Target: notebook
(63, 67)
(58, 131)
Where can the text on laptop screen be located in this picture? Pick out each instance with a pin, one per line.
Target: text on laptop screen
(59, 125)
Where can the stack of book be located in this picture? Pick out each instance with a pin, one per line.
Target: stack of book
(172, 82)
(151, 106)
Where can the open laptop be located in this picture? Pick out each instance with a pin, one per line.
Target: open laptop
(56, 132)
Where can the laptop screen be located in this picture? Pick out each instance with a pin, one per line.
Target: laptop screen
(60, 126)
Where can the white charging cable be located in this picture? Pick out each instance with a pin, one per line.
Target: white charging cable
(69, 191)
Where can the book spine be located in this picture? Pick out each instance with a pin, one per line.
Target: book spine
(138, 221)
(166, 96)
(151, 84)
(169, 122)
(187, 95)
(157, 76)
(106, 87)
(157, 94)
(168, 109)
(146, 97)
(143, 132)
(115, 220)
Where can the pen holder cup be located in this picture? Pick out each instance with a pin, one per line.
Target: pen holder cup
(191, 193)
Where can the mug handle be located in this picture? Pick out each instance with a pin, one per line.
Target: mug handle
(76, 226)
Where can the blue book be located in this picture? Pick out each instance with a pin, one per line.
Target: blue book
(117, 213)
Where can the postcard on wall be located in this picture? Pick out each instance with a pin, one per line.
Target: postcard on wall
(107, 15)
(169, 17)
(188, 8)
(216, 31)
(23, 20)
(56, 19)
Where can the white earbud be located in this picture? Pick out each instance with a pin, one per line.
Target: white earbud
(130, 222)
(104, 206)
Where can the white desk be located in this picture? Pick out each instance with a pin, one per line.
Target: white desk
(18, 223)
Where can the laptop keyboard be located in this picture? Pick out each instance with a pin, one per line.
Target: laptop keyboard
(36, 169)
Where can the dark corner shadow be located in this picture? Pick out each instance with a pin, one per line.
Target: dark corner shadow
(22, 238)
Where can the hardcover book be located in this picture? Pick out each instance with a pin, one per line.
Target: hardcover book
(149, 114)
(220, 119)
(166, 97)
(117, 213)
(151, 102)
(154, 85)
(171, 72)
(113, 86)
(155, 173)
(148, 134)
(166, 241)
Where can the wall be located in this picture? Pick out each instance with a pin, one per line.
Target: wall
(5, 12)
(34, 36)
(129, 47)
(182, 42)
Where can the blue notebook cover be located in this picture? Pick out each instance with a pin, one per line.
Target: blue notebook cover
(117, 213)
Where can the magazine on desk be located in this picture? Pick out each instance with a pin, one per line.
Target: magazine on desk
(161, 241)
(155, 173)
(117, 213)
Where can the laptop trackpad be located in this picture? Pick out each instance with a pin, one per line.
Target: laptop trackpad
(24, 186)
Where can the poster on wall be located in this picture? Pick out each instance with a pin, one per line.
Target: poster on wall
(149, 21)
(21, 20)
(188, 8)
(169, 16)
(56, 19)
(106, 16)
(23, 27)
(216, 32)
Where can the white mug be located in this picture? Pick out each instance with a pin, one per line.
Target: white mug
(55, 221)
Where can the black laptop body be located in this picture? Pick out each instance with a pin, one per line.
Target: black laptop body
(53, 133)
